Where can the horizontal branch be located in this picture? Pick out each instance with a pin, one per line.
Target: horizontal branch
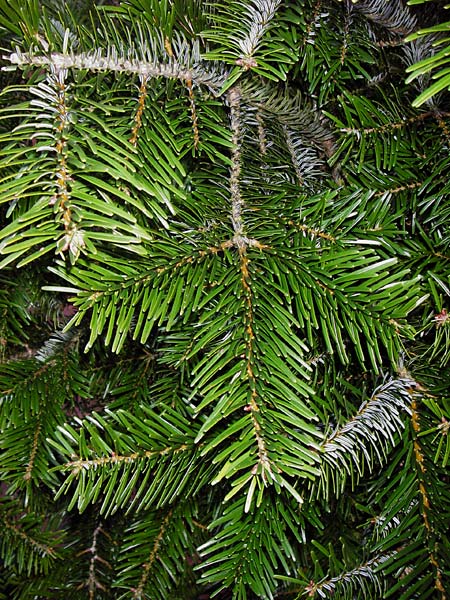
(389, 127)
(311, 231)
(77, 465)
(15, 528)
(351, 579)
(112, 61)
(380, 413)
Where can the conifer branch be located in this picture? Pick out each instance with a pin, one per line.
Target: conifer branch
(396, 18)
(370, 432)
(255, 243)
(29, 377)
(257, 23)
(148, 565)
(237, 202)
(140, 110)
(387, 127)
(34, 449)
(312, 231)
(93, 583)
(346, 33)
(426, 504)
(294, 155)
(440, 118)
(401, 188)
(194, 116)
(81, 465)
(17, 531)
(262, 138)
(111, 60)
(73, 237)
(313, 23)
(25, 544)
(241, 241)
(352, 580)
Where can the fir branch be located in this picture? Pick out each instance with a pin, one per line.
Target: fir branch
(14, 528)
(37, 398)
(240, 240)
(294, 155)
(27, 544)
(401, 188)
(73, 237)
(148, 565)
(388, 127)
(313, 23)
(426, 504)
(135, 289)
(289, 111)
(262, 136)
(93, 583)
(257, 20)
(311, 231)
(264, 466)
(394, 43)
(113, 450)
(20, 380)
(194, 116)
(111, 60)
(363, 577)
(237, 203)
(157, 552)
(346, 32)
(81, 465)
(395, 17)
(368, 433)
(34, 448)
(239, 546)
(443, 125)
(140, 110)
(243, 29)
(254, 292)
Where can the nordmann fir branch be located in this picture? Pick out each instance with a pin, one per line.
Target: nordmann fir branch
(194, 116)
(389, 127)
(396, 18)
(92, 583)
(112, 61)
(346, 38)
(401, 188)
(147, 566)
(262, 138)
(258, 28)
(147, 278)
(77, 465)
(15, 528)
(34, 448)
(366, 571)
(294, 158)
(140, 110)
(312, 24)
(384, 406)
(73, 236)
(29, 380)
(312, 231)
(241, 242)
(425, 499)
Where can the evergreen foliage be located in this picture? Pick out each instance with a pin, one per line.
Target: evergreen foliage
(224, 292)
